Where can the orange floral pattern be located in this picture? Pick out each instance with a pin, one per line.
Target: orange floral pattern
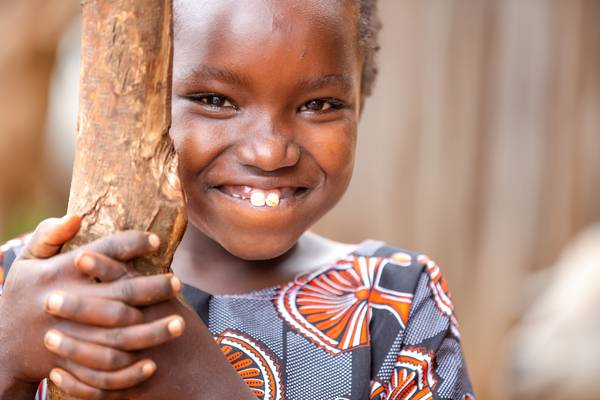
(333, 307)
(255, 365)
(412, 379)
(441, 292)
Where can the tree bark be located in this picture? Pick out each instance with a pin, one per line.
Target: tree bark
(125, 172)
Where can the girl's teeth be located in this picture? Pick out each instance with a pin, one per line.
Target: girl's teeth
(260, 199)
(272, 200)
(257, 199)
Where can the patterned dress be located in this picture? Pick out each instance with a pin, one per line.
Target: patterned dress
(377, 324)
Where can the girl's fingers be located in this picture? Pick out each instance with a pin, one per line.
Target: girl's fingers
(72, 386)
(116, 380)
(122, 246)
(90, 355)
(92, 310)
(142, 290)
(131, 338)
(111, 304)
(100, 267)
(50, 235)
(125, 245)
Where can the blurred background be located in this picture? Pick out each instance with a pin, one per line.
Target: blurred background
(480, 147)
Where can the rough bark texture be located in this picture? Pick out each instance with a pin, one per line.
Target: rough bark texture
(125, 172)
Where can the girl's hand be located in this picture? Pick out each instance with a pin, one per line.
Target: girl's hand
(192, 366)
(47, 303)
(196, 358)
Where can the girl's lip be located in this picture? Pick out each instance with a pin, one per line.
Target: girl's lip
(245, 191)
(290, 199)
(217, 179)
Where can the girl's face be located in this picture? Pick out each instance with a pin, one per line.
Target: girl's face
(266, 97)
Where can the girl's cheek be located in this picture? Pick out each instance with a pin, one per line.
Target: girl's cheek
(334, 148)
(197, 140)
(178, 122)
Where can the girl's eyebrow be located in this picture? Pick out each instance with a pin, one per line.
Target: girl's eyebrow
(205, 72)
(344, 82)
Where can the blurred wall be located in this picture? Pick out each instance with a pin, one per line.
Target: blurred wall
(30, 31)
(479, 146)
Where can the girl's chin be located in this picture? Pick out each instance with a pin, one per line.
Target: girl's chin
(251, 240)
(257, 250)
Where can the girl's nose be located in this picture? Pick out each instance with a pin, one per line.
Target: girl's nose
(268, 148)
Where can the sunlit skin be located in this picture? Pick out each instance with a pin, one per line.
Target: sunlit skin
(265, 94)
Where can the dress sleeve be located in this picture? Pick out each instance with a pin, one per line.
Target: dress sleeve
(427, 362)
(1, 270)
(8, 253)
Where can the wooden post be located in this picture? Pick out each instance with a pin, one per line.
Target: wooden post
(125, 172)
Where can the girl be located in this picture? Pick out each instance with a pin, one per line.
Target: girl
(266, 100)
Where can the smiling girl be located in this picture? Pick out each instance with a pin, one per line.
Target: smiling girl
(267, 95)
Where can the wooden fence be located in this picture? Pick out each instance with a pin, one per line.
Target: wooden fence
(481, 147)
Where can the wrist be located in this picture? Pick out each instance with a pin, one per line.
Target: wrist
(11, 387)
(14, 389)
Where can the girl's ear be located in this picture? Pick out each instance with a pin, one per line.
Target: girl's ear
(361, 105)
(363, 96)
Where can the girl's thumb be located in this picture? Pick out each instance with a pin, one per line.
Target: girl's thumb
(50, 235)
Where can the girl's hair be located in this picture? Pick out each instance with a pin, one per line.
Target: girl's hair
(369, 26)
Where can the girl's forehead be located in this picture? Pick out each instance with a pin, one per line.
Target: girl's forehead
(209, 19)
(321, 34)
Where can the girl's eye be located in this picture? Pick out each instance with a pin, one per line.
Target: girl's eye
(214, 101)
(322, 105)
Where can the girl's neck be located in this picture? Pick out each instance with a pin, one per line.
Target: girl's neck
(201, 262)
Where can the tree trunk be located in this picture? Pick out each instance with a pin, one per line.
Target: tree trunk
(125, 172)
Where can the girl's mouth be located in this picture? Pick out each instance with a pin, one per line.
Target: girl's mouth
(259, 197)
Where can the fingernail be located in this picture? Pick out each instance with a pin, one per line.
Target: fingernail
(154, 240)
(175, 284)
(52, 340)
(148, 368)
(175, 327)
(55, 377)
(86, 261)
(55, 302)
